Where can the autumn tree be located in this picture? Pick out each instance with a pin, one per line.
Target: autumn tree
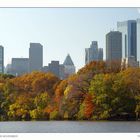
(20, 109)
(111, 96)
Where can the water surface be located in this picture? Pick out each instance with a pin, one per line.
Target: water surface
(70, 127)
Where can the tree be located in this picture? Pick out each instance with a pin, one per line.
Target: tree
(45, 83)
(41, 100)
(59, 92)
(111, 96)
(21, 108)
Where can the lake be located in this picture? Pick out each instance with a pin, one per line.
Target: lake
(70, 127)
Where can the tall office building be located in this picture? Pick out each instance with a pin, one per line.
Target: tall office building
(35, 57)
(19, 66)
(138, 40)
(1, 59)
(100, 54)
(114, 46)
(69, 67)
(93, 53)
(129, 62)
(61, 70)
(8, 69)
(53, 67)
(129, 38)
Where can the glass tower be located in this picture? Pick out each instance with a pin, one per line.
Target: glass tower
(1, 59)
(138, 39)
(129, 38)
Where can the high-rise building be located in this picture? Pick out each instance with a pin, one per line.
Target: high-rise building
(53, 67)
(45, 69)
(93, 53)
(129, 62)
(100, 54)
(8, 69)
(61, 71)
(35, 57)
(19, 66)
(1, 59)
(129, 38)
(114, 46)
(138, 40)
(69, 67)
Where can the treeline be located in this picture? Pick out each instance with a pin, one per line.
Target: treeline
(97, 92)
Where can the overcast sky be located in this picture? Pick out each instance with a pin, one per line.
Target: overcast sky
(59, 30)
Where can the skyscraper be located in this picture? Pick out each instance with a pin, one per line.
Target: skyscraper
(19, 66)
(35, 57)
(114, 46)
(93, 53)
(1, 59)
(54, 67)
(69, 67)
(129, 38)
(100, 54)
(138, 39)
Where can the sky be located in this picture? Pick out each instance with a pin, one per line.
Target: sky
(59, 30)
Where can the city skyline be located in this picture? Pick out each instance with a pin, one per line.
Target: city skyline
(70, 30)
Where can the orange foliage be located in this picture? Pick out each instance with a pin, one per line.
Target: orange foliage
(88, 106)
(59, 92)
(36, 82)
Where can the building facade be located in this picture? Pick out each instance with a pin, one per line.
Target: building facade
(129, 38)
(129, 62)
(35, 57)
(114, 46)
(100, 54)
(1, 59)
(19, 66)
(53, 67)
(138, 40)
(93, 53)
(61, 70)
(69, 67)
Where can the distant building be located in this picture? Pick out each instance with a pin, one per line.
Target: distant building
(45, 69)
(138, 40)
(114, 46)
(19, 66)
(61, 71)
(1, 59)
(100, 54)
(93, 53)
(53, 67)
(8, 69)
(129, 38)
(129, 62)
(69, 67)
(35, 57)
